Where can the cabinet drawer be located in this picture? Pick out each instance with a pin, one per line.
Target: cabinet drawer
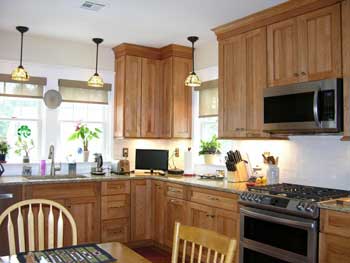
(207, 197)
(115, 230)
(333, 249)
(176, 190)
(115, 187)
(333, 222)
(115, 206)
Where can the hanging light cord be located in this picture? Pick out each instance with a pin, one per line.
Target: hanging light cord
(20, 64)
(96, 58)
(192, 56)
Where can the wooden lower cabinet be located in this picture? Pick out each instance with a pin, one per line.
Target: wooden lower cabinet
(201, 216)
(115, 230)
(141, 212)
(158, 205)
(175, 211)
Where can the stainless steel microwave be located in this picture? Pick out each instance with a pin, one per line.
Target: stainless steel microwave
(310, 107)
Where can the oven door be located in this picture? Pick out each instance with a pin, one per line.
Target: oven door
(271, 237)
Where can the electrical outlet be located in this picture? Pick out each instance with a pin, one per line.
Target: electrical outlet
(177, 152)
(126, 152)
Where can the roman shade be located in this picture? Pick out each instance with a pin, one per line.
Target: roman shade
(208, 99)
(79, 91)
(33, 88)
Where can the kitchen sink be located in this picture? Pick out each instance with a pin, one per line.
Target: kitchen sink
(56, 177)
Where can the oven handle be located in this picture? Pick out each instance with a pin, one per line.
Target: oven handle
(315, 108)
(278, 220)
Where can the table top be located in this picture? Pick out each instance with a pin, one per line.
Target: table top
(122, 253)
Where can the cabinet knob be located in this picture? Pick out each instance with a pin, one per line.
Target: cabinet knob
(296, 75)
(303, 73)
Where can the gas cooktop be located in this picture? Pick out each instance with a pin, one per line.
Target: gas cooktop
(302, 192)
(294, 199)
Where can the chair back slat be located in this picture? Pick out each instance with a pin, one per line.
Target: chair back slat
(20, 227)
(11, 235)
(31, 229)
(41, 228)
(222, 247)
(60, 230)
(51, 232)
(26, 224)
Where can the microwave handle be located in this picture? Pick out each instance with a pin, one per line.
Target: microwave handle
(315, 107)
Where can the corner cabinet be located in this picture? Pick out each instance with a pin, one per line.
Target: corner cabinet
(305, 48)
(151, 99)
(242, 79)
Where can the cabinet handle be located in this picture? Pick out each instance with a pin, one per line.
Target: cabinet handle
(213, 198)
(174, 191)
(303, 73)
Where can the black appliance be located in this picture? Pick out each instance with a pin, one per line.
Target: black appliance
(280, 223)
(310, 107)
(153, 160)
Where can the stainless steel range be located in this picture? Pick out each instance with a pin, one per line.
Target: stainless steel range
(279, 223)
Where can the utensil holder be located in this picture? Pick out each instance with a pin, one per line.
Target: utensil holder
(272, 174)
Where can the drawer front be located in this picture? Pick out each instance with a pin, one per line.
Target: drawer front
(175, 190)
(115, 230)
(115, 187)
(333, 222)
(215, 200)
(115, 206)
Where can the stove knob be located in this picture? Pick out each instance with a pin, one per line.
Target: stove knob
(244, 196)
(251, 197)
(310, 208)
(301, 206)
(257, 199)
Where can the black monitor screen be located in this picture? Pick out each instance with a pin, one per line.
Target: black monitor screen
(151, 159)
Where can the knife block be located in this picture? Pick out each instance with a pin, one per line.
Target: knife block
(240, 175)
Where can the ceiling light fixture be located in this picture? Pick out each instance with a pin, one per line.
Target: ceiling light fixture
(192, 80)
(95, 80)
(19, 73)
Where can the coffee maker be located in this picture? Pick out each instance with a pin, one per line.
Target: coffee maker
(97, 169)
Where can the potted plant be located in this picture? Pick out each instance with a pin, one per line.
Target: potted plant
(4, 148)
(83, 133)
(210, 149)
(24, 143)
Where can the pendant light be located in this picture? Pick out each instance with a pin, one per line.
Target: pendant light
(95, 80)
(192, 80)
(19, 73)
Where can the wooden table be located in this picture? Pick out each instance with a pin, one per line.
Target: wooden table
(122, 253)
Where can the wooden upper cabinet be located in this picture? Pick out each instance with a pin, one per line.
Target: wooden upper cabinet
(119, 97)
(241, 83)
(150, 98)
(132, 97)
(305, 48)
(320, 44)
(182, 99)
(232, 95)
(282, 49)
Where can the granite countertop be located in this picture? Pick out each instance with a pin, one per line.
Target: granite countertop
(220, 185)
(340, 205)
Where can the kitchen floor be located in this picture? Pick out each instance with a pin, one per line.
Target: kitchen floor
(154, 254)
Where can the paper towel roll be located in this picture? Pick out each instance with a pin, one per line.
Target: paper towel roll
(188, 163)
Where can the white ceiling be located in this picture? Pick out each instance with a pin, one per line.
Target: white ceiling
(146, 22)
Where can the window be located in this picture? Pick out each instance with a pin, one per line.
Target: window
(15, 112)
(94, 116)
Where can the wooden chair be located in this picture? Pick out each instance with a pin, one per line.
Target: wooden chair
(36, 222)
(218, 248)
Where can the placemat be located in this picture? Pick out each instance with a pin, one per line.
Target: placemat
(87, 253)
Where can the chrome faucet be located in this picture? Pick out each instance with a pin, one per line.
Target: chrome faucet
(52, 158)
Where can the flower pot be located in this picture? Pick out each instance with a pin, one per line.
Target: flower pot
(2, 158)
(26, 159)
(209, 158)
(86, 156)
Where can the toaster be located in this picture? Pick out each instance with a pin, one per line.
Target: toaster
(120, 166)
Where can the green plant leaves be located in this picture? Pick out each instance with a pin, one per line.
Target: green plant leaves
(210, 147)
(85, 135)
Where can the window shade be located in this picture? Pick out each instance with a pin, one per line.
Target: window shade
(79, 91)
(34, 88)
(208, 99)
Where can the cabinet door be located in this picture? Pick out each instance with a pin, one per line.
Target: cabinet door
(333, 249)
(158, 204)
(150, 98)
(175, 212)
(282, 50)
(200, 216)
(132, 97)
(140, 210)
(182, 99)
(166, 95)
(86, 213)
(255, 81)
(320, 44)
(232, 96)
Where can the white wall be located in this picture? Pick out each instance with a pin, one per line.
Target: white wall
(312, 160)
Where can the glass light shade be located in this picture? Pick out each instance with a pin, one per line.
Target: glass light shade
(192, 80)
(96, 81)
(20, 74)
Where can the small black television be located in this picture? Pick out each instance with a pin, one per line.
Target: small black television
(152, 160)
